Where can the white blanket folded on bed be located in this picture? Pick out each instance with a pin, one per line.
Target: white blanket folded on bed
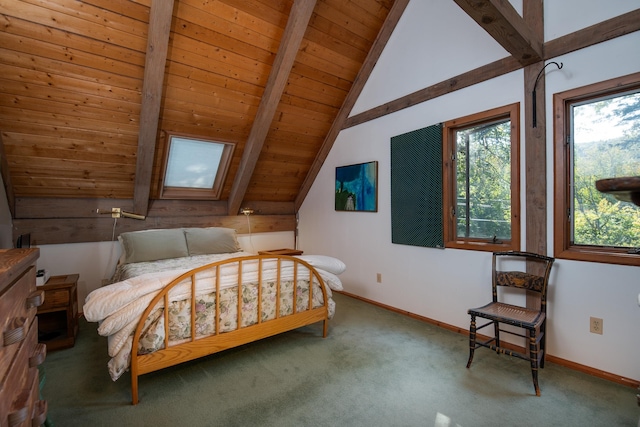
(119, 306)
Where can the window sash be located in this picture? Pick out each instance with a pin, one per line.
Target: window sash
(509, 113)
(565, 174)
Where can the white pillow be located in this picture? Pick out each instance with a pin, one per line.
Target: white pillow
(324, 262)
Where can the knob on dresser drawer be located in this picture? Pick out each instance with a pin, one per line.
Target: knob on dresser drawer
(35, 299)
(39, 355)
(40, 413)
(15, 331)
(18, 417)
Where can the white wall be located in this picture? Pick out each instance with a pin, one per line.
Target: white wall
(443, 284)
(96, 261)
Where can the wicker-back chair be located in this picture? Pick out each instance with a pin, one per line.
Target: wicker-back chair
(533, 321)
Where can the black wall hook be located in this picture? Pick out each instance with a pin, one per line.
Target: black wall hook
(533, 94)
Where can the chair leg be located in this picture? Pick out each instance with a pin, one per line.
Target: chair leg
(472, 339)
(496, 333)
(533, 355)
(543, 341)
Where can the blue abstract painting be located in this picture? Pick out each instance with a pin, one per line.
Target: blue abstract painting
(357, 187)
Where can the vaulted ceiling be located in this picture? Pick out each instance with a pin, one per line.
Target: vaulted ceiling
(91, 89)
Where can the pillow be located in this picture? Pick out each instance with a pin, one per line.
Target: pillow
(326, 263)
(151, 245)
(211, 240)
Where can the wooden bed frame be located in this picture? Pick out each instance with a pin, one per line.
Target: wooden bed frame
(173, 354)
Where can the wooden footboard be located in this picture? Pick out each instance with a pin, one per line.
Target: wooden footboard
(198, 346)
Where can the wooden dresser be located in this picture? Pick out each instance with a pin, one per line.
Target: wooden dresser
(20, 353)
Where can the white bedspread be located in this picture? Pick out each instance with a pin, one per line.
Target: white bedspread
(118, 307)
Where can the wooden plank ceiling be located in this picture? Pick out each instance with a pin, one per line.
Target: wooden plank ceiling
(77, 116)
(90, 90)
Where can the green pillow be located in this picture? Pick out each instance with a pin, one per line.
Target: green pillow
(211, 240)
(151, 245)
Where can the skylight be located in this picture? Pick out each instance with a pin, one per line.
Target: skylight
(195, 168)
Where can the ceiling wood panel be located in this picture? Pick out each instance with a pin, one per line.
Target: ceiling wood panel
(73, 76)
(77, 130)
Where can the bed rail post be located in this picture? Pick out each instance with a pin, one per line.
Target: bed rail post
(134, 388)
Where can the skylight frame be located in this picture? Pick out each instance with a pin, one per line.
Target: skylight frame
(179, 142)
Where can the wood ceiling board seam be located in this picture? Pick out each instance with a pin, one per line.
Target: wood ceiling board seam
(65, 22)
(46, 93)
(72, 110)
(18, 139)
(18, 114)
(326, 41)
(345, 21)
(34, 31)
(360, 14)
(336, 32)
(50, 77)
(244, 20)
(97, 135)
(265, 13)
(179, 70)
(215, 53)
(131, 9)
(52, 71)
(222, 41)
(230, 28)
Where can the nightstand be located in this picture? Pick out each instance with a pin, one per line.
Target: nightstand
(58, 315)
(281, 252)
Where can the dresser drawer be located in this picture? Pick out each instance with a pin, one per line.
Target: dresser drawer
(55, 299)
(17, 315)
(18, 392)
(27, 410)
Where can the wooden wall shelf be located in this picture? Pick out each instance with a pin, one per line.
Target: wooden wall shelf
(625, 188)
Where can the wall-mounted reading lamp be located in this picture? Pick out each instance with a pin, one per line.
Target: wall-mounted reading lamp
(118, 213)
(533, 94)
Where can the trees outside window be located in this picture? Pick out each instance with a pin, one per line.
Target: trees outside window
(597, 136)
(481, 185)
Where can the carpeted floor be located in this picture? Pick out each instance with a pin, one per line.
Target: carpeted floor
(375, 368)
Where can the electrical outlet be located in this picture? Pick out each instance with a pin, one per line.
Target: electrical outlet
(595, 325)
(379, 277)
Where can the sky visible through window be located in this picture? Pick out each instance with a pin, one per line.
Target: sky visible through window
(192, 163)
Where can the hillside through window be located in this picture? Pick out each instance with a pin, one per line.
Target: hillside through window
(601, 125)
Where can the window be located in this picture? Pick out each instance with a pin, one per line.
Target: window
(195, 168)
(597, 136)
(482, 180)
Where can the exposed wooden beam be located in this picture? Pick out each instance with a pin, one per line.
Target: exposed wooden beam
(291, 39)
(160, 16)
(614, 27)
(535, 144)
(79, 230)
(461, 81)
(598, 33)
(6, 179)
(506, 26)
(338, 124)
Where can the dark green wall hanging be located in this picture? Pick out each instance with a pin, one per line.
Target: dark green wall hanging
(416, 188)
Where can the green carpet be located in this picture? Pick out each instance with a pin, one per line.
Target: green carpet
(375, 368)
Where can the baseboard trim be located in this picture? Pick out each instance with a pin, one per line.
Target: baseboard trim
(550, 358)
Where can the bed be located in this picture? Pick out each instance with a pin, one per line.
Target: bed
(218, 297)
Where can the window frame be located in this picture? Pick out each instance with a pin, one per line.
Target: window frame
(562, 102)
(512, 112)
(186, 193)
